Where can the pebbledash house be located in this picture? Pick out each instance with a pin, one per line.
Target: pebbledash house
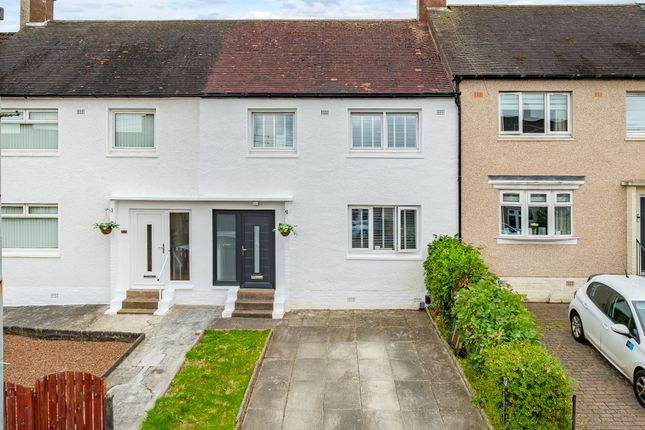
(199, 137)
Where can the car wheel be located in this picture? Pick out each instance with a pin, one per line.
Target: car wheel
(639, 386)
(577, 330)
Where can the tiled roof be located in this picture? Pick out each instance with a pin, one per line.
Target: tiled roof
(542, 41)
(200, 58)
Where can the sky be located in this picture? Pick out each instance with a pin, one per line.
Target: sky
(252, 9)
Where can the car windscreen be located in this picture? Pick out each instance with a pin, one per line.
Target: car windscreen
(640, 310)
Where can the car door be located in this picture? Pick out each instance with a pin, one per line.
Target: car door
(595, 308)
(619, 348)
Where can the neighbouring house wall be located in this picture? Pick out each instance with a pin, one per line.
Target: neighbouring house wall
(203, 150)
(597, 149)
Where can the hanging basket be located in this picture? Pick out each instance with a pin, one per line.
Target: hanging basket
(106, 230)
(285, 233)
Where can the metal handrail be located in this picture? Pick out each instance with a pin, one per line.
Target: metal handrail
(640, 254)
(163, 266)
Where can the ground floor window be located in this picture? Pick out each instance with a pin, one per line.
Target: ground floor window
(29, 226)
(536, 214)
(383, 228)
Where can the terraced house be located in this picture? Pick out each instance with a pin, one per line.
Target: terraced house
(552, 138)
(199, 137)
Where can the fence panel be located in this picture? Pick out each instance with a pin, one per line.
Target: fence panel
(19, 407)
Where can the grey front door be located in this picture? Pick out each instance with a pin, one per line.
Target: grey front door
(244, 248)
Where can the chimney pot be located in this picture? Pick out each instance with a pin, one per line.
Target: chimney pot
(36, 11)
(425, 4)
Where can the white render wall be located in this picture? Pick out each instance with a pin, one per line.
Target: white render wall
(203, 150)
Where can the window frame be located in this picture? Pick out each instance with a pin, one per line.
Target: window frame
(188, 281)
(633, 135)
(33, 252)
(525, 204)
(547, 114)
(385, 148)
(131, 152)
(397, 251)
(272, 152)
(25, 120)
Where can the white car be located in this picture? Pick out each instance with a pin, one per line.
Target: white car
(609, 312)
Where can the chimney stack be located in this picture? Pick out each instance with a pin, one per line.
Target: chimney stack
(36, 11)
(425, 4)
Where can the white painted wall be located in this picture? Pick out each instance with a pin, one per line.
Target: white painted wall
(203, 150)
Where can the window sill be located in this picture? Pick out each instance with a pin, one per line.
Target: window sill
(385, 257)
(132, 154)
(31, 253)
(521, 138)
(273, 154)
(384, 154)
(635, 138)
(21, 153)
(537, 241)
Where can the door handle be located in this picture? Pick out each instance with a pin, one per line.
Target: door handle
(605, 326)
(244, 250)
(163, 248)
(585, 305)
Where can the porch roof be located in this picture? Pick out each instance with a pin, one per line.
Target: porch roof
(200, 198)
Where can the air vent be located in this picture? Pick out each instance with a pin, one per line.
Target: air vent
(441, 112)
(53, 296)
(324, 112)
(351, 299)
(80, 111)
(570, 283)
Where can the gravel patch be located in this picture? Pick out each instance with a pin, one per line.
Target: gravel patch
(28, 359)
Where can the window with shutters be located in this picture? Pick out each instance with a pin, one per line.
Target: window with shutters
(383, 229)
(29, 131)
(132, 132)
(29, 229)
(384, 131)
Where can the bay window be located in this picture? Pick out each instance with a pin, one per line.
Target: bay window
(536, 214)
(29, 130)
(534, 113)
(383, 229)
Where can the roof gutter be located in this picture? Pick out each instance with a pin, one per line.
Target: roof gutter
(236, 95)
(543, 76)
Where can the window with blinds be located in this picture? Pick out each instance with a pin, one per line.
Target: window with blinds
(390, 131)
(273, 131)
(27, 226)
(29, 130)
(133, 130)
(379, 229)
(636, 115)
(535, 113)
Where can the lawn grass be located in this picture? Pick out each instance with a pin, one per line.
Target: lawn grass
(208, 391)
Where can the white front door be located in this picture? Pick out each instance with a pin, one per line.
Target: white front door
(150, 247)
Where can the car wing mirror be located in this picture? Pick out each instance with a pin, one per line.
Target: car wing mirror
(621, 329)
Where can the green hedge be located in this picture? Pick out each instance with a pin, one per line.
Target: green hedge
(488, 314)
(539, 391)
(451, 265)
(500, 337)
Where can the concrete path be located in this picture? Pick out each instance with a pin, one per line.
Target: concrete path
(146, 374)
(359, 370)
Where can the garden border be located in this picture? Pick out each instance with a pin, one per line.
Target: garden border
(241, 414)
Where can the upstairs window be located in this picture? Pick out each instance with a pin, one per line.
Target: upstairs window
(383, 229)
(133, 130)
(636, 115)
(535, 114)
(391, 131)
(29, 226)
(273, 131)
(30, 130)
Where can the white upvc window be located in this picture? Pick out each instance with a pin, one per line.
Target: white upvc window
(132, 131)
(384, 131)
(535, 114)
(29, 228)
(273, 131)
(636, 115)
(536, 214)
(31, 130)
(382, 229)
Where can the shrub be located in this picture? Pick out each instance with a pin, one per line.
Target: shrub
(539, 391)
(488, 314)
(451, 265)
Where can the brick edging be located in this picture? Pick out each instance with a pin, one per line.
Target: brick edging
(455, 361)
(249, 389)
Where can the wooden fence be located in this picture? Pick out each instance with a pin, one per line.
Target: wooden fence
(61, 401)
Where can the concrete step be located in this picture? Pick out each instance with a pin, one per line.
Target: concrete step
(143, 294)
(252, 314)
(137, 311)
(140, 304)
(247, 304)
(255, 294)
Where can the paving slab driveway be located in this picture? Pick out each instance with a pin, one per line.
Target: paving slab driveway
(359, 370)
(605, 396)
